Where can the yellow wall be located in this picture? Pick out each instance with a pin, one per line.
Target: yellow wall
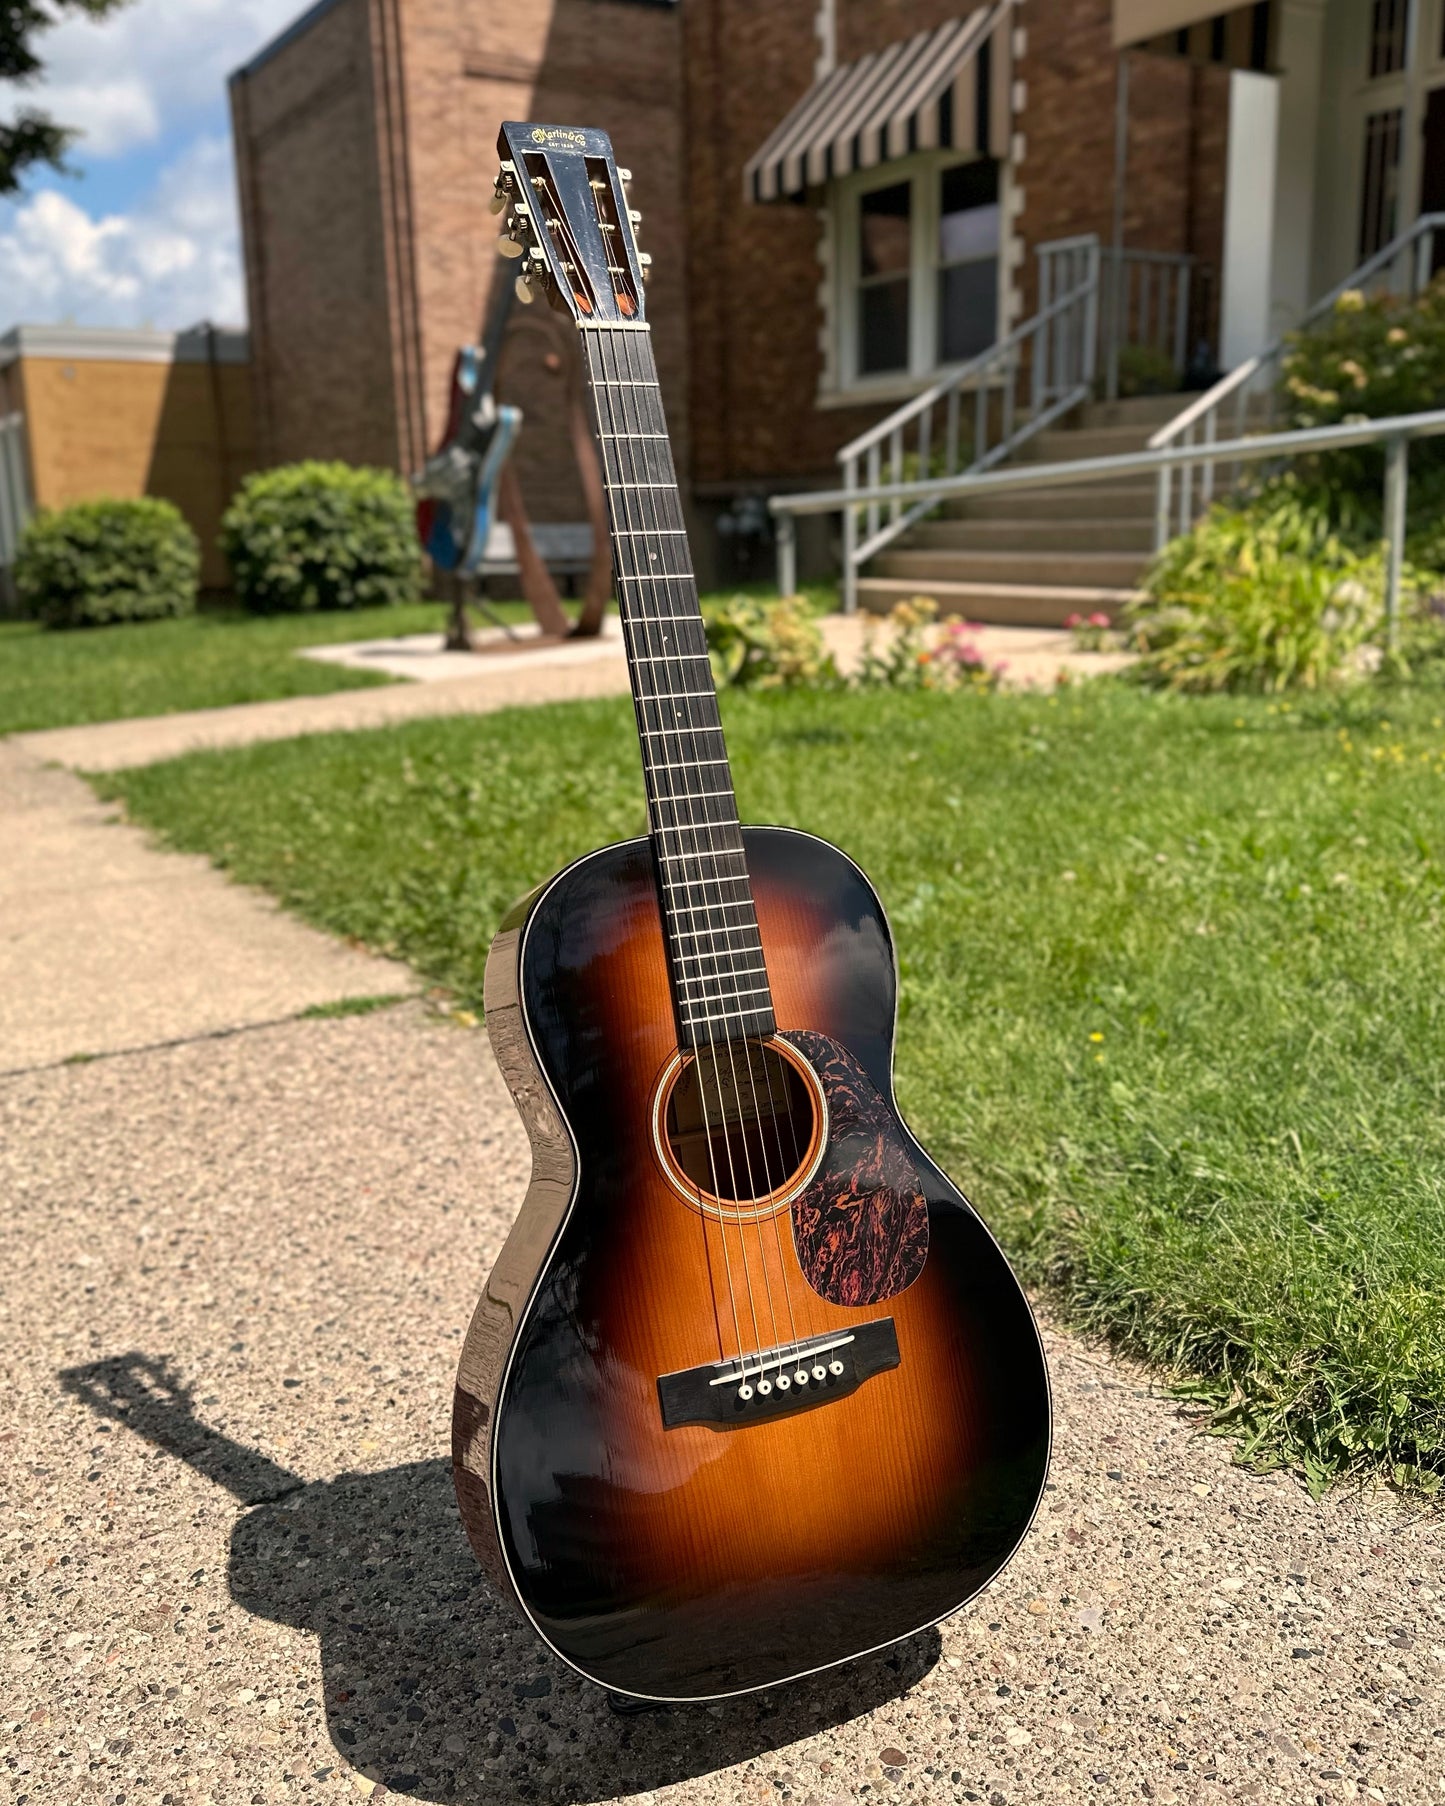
(113, 427)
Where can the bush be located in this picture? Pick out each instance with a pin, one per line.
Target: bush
(312, 536)
(1369, 357)
(1260, 597)
(106, 561)
(904, 660)
(768, 645)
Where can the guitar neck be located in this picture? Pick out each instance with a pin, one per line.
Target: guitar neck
(719, 982)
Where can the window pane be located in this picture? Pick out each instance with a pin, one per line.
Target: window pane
(968, 211)
(967, 309)
(1381, 180)
(884, 232)
(883, 326)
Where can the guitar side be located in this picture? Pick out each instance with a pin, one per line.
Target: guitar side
(698, 1561)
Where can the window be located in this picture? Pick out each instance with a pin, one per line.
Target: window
(919, 263)
(1378, 191)
(885, 263)
(1387, 38)
(968, 221)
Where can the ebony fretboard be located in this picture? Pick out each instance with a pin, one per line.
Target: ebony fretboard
(719, 983)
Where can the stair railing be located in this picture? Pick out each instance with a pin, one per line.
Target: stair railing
(1248, 396)
(1022, 382)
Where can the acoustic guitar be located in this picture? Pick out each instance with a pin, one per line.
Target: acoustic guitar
(751, 1390)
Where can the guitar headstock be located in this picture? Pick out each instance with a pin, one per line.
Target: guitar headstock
(569, 222)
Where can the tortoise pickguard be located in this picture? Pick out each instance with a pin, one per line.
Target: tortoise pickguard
(861, 1227)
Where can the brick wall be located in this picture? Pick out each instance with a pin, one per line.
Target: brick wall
(367, 149)
(308, 172)
(113, 427)
(1178, 125)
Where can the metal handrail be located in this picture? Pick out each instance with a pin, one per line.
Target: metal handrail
(1058, 343)
(1202, 414)
(1395, 432)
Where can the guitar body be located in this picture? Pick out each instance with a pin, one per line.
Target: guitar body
(677, 1541)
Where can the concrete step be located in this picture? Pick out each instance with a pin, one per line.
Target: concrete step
(1131, 499)
(1145, 412)
(1091, 570)
(1016, 533)
(1063, 444)
(1005, 604)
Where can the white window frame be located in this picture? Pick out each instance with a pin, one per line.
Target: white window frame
(922, 172)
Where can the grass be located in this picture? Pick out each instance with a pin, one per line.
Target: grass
(1171, 997)
(212, 659)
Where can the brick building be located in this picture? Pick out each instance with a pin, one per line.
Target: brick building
(89, 411)
(815, 262)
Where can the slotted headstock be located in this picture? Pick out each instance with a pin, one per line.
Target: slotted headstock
(569, 222)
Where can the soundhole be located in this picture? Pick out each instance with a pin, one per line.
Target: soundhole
(741, 1124)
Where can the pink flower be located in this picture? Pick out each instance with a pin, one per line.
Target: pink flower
(1098, 620)
(1073, 621)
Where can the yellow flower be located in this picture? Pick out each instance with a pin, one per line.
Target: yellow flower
(1096, 1036)
(1351, 302)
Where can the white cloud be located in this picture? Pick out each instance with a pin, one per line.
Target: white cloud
(118, 80)
(170, 261)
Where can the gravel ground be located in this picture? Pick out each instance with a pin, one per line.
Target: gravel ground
(236, 1274)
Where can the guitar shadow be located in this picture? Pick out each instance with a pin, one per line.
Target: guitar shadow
(432, 1683)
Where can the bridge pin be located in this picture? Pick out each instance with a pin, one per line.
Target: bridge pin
(820, 1372)
(764, 1388)
(800, 1378)
(745, 1392)
(783, 1382)
(835, 1368)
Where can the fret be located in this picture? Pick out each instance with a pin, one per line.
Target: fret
(703, 909)
(656, 733)
(701, 828)
(687, 765)
(665, 658)
(618, 382)
(714, 977)
(691, 1019)
(702, 883)
(605, 435)
(696, 934)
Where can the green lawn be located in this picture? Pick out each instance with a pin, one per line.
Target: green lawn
(1172, 1003)
(50, 679)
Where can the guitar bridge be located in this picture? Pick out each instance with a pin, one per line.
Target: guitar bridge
(791, 1377)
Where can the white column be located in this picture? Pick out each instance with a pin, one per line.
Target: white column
(1249, 217)
(1301, 61)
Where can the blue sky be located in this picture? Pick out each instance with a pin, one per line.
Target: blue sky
(145, 233)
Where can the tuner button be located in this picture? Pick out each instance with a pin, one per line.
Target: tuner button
(835, 1368)
(764, 1388)
(800, 1378)
(508, 247)
(498, 200)
(820, 1372)
(745, 1392)
(525, 291)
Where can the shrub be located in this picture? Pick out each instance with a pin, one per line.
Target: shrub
(106, 561)
(768, 645)
(1260, 598)
(1371, 356)
(312, 536)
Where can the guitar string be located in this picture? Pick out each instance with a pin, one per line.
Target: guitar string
(656, 470)
(627, 464)
(636, 372)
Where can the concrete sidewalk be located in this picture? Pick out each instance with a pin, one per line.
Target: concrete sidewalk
(107, 943)
(1033, 655)
(238, 1272)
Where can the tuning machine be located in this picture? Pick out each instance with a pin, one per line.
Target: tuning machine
(532, 278)
(517, 233)
(504, 187)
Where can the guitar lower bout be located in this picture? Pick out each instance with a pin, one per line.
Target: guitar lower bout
(722, 1423)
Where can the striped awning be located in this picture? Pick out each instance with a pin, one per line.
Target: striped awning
(946, 89)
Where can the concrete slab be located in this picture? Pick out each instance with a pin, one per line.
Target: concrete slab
(107, 943)
(423, 657)
(233, 1572)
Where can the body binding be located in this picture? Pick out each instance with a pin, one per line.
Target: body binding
(698, 1562)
